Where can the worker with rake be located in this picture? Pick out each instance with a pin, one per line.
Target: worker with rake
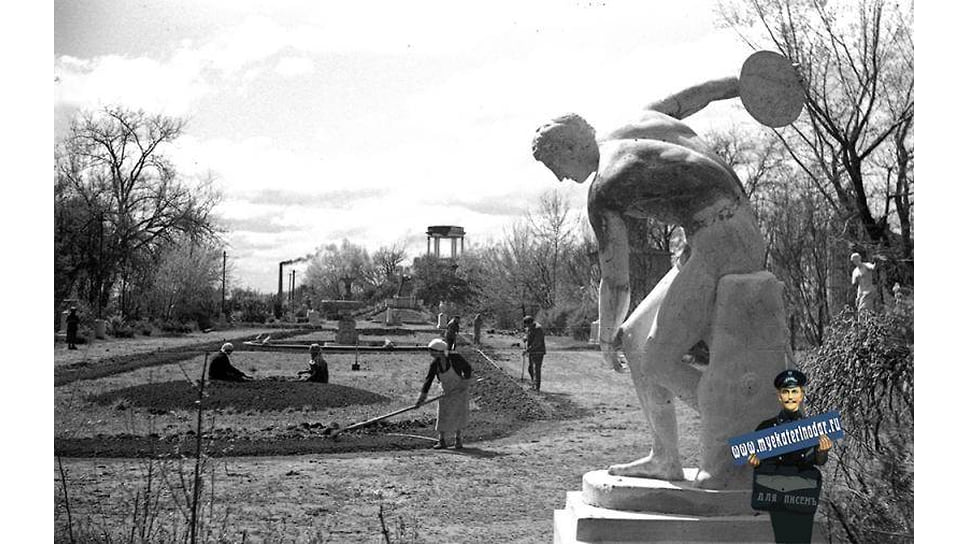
(453, 409)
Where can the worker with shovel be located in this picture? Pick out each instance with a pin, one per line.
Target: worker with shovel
(453, 409)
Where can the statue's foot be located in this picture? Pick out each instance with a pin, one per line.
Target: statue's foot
(726, 480)
(649, 467)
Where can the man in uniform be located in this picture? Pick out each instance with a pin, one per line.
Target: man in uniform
(534, 344)
(792, 526)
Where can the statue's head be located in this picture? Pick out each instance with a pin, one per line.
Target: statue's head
(567, 146)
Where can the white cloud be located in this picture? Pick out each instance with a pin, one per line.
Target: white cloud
(141, 82)
(294, 66)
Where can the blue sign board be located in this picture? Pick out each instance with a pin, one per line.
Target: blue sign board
(785, 438)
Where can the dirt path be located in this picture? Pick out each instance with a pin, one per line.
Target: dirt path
(502, 490)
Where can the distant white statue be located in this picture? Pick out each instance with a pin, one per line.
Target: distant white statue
(863, 278)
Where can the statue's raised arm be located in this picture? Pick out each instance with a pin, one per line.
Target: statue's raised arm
(688, 101)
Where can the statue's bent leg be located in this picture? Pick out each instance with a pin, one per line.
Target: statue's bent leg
(668, 322)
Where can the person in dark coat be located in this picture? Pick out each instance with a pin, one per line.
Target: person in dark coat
(221, 368)
(72, 321)
(535, 349)
(453, 327)
(792, 526)
(318, 370)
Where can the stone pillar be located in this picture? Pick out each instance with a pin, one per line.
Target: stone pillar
(593, 331)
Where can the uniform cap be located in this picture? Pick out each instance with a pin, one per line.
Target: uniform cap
(790, 378)
(228, 347)
(437, 345)
(528, 319)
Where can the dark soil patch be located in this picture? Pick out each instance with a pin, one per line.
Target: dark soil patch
(291, 440)
(258, 396)
(92, 370)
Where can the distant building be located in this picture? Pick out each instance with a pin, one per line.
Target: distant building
(446, 233)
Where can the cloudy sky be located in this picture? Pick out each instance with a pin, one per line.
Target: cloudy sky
(372, 120)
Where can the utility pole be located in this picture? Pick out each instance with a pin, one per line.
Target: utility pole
(223, 282)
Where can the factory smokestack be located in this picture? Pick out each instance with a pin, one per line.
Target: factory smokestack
(297, 260)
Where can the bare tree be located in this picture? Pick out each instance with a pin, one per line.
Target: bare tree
(554, 225)
(856, 61)
(388, 259)
(111, 170)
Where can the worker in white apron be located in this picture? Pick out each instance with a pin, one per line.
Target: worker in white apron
(453, 409)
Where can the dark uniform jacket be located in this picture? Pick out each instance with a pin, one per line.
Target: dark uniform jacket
(805, 458)
(460, 364)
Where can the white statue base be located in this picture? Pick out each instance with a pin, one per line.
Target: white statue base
(618, 509)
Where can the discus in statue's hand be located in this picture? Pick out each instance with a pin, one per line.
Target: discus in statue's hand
(770, 89)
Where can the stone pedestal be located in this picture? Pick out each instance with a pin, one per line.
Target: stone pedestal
(100, 328)
(314, 318)
(393, 318)
(346, 333)
(616, 509)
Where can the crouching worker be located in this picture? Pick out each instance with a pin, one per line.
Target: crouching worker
(221, 369)
(453, 409)
(318, 370)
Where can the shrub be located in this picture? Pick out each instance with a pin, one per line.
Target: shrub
(554, 320)
(118, 328)
(865, 369)
(174, 327)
